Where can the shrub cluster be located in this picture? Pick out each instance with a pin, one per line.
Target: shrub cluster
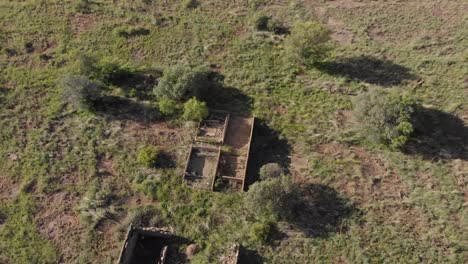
(384, 116)
(180, 83)
(181, 88)
(274, 196)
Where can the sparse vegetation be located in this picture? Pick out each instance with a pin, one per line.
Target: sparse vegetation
(95, 207)
(385, 116)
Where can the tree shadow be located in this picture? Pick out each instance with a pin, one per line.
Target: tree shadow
(438, 135)
(138, 84)
(166, 161)
(247, 256)
(221, 97)
(119, 108)
(321, 211)
(368, 69)
(267, 147)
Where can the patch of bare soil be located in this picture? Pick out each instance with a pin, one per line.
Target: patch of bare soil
(377, 181)
(340, 34)
(57, 221)
(9, 189)
(84, 22)
(346, 3)
(376, 32)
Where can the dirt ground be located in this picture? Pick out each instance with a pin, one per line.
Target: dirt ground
(202, 167)
(238, 132)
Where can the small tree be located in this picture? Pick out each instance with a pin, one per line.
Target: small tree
(80, 91)
(168, 106)
(309, 43)
(276, 196)
(148, 156)
(180, 83)
(384, 116)
(195, 110)
(271, 170)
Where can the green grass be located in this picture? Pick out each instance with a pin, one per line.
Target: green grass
(60, 149)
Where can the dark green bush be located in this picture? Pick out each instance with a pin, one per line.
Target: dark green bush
(180, 83)
(195, 110)
(271, 170)
(384, 116)
(80, 91)
(148, 156)
(309, 43)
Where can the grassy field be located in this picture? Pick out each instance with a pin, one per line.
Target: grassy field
(70, 183)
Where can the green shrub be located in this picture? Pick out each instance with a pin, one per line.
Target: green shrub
(148, 156)
(80, 91)
(168, 106)
(277, 197)
(260, 232)
(384, 116)
(309, 43)
(195, 110)
(271, 170)
(181, 83)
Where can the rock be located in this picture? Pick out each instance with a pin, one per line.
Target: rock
(191, 250)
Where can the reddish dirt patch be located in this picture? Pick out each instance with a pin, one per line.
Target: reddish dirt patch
(376, 181)
(376, 32)
(9, 189)
(57, 221)
(346, 3)
(340, 34)
(84, 22)
(155, 133)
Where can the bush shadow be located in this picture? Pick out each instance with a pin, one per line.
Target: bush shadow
(321, 211)
(267, 147)
(368, 69)
(120, 108)
(438, 135)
